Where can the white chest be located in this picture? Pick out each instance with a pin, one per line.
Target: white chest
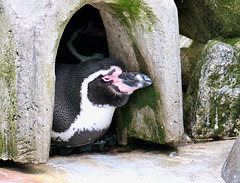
(95, 118)
(91, 117)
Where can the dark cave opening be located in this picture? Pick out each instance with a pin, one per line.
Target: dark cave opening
(84, 37)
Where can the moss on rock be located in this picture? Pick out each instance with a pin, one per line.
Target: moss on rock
(130, 11)
(140, 117)
(233, 41)
(8, 97)
(189, 58)
(213, 97)
(203, 20)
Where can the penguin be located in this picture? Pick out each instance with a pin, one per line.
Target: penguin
(86, 96)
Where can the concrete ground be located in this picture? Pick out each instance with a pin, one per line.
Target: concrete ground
(193, 163)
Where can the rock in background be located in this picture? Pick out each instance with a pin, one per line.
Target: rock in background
(212, 101)
(211, 90)
(203, 20)
(189, 58)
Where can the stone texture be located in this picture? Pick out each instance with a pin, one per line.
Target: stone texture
(149, 43)
(189, 58)
(192, 163)
(212, 102)
(231, 167)
(203, 20)
(27, 80)
(8, 105)
(145, 38)
(232, 41)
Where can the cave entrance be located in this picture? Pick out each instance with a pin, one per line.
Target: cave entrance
(84, 37)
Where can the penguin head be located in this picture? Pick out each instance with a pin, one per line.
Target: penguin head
(116, 85)
(126, 82)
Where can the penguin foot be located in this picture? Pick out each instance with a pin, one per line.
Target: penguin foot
(97, 146)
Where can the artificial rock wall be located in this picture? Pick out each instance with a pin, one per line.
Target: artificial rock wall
(143, 34)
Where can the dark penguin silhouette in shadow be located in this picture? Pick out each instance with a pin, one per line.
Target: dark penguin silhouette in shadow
(84, 38)
(86, 97)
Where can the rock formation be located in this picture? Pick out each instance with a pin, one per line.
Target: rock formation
(212, 102)
(143, 34)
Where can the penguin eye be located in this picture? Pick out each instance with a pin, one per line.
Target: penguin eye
(112, 76)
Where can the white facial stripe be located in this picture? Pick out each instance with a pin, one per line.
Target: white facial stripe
(91, 117)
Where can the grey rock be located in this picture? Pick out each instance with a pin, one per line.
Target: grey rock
(145, 38)
(212, 103)
(189, 58)
(231, 167)
(203, 20)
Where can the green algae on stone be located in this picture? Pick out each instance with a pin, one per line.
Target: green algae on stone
(231, 41)
(189, 58)
(139, 118)
(203, 20)
(8, 77)
(131, 11)
(213, 98)
(8, 100)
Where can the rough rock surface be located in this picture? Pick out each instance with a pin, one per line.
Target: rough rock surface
(189, 58)
(149, 43)
(192, 163)
(231, 168)
(213, 97)
(145, 38)
(203, 20)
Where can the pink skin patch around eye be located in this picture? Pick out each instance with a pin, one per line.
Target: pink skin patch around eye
(117, 81)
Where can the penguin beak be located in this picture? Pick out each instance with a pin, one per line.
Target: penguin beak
(135, 80)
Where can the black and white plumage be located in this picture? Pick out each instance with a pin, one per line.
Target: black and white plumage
(86, 96)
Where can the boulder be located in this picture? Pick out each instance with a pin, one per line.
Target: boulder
(232, 41)
(189, 58)
(153, 114)
(203, 20)
(143, 34)
(211, 108)
(231, 167)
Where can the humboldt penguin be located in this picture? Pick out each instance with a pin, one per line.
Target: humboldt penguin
(86, 96)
